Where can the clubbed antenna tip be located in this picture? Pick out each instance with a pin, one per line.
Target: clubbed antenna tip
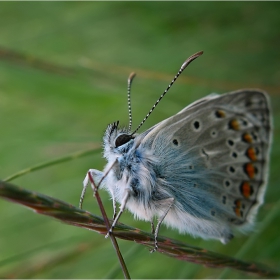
(190, 59)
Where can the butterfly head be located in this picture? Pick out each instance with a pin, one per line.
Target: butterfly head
(116, 140)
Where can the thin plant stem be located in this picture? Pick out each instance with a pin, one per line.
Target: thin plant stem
(52, 162)
(111, 235)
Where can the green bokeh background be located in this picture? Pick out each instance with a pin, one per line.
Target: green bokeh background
(63, 104)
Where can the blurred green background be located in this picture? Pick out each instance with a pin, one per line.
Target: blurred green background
(63, 76)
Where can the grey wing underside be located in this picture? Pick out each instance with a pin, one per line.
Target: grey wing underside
(213, 155)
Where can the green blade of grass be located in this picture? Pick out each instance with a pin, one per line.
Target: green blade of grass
(53, 162)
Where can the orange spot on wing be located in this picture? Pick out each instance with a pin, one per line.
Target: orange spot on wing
(234, 124)
(246, 189)
(220, 114)
(251, 154)
(237, 207)
(247, 138)
(250, 170)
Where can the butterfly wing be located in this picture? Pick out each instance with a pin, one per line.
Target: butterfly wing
(213, 157)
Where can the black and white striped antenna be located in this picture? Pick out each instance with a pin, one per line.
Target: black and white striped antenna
(185, 64)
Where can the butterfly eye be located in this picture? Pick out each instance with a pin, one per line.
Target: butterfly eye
(122, 139)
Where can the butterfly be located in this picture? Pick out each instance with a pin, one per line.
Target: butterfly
(203, 171)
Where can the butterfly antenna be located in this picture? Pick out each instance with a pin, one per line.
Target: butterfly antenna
(129, 82)
(185, 64)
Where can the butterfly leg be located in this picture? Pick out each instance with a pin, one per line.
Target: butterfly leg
(152, 227)
(169, 202)
(96, 175)
(114, 207)
(85, 184)
(122, 207)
